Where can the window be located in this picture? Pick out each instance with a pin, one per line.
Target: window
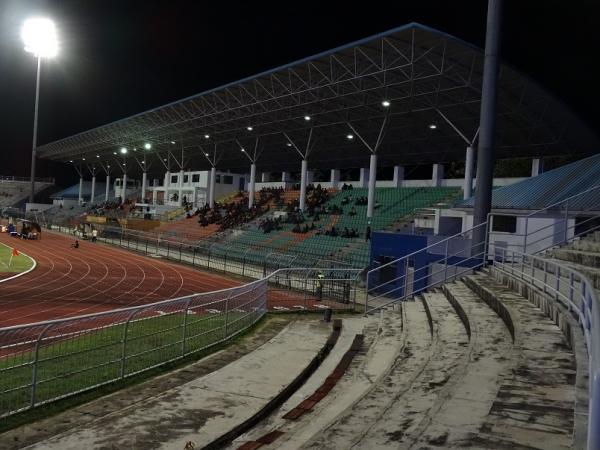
(173, 178)
(504, 224)
(227, 179)
(185, 178)
(217, 178)
(196, 178)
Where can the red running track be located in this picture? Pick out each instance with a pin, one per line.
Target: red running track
(92, 278)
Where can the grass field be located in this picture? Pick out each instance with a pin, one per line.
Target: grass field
(19, 263)
(70, 363)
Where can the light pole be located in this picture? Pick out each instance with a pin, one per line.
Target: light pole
(39, 37)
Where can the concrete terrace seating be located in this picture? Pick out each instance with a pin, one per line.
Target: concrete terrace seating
(471, 365)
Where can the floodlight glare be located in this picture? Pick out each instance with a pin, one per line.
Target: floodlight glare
(39, 37)
(350, 136)
(114, 153)
(206, 154)
(289, 144)
(83, 159)
(206, 136)
(385, 103)
(147, 146)
(307, 118)
(432, 126)
(249, 128)
(97, 156)
(243, 150)
(123, 150)
(173, 142)
(70, 160)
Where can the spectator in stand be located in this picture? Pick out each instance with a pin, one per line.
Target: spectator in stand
(368, 233)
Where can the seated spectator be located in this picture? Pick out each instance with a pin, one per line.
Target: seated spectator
(352, 211)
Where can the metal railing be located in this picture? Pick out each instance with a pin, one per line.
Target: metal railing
(46, 361)
(573, 289)
(437, 263)
(548, 227)
(236, 259)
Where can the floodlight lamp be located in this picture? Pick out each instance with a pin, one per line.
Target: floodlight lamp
(385, 103)
(432, 126)
(243, 150)
(206, 136)
(123, 150)
(70, 160)
(249, 128)
(350, 136)
(147, 146)
(39, 37)
(173, 142)
(206, 154)
(307, 118)
(97, 156)
(114, 153)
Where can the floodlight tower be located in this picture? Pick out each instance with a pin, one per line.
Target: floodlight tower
(39, 37)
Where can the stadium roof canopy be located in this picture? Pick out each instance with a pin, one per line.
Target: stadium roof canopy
(429, 78)
(578, 181)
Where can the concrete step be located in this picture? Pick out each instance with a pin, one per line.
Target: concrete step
(468, 403)
(367, 387)
(395, 411)
(535, 404)
(382, 346)
(584, 258)
(586, 245)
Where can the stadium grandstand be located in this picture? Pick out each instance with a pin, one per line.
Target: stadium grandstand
(293, 191)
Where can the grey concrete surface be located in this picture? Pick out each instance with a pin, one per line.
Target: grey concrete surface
(205, 408)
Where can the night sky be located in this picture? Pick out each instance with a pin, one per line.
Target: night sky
(122, 57)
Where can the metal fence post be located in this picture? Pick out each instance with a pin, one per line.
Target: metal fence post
(566, 222)
(124, 344)
(226, 314)
(34, 371)
(193, 256)
(545, 276)
(446, 262)
(366, 292)
(180, 250)
(571, 288)
(147, 246)
(525, 234)
(186, 311)
(405, 293)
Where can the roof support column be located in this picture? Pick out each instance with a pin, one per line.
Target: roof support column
(180, 198)
(537, 166)
(304, 166)
(468, 184)
(213, 175)
(93, 193)
(371, 192)
(303, 175)
(487, 123)
(211, 187)
(372, 165)
(124, 187)
(107, 187)
(251, 185)
(144, 181)
(437, 175)
(80, 200)
(335, 178)
(398, 176)
(253, 158)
